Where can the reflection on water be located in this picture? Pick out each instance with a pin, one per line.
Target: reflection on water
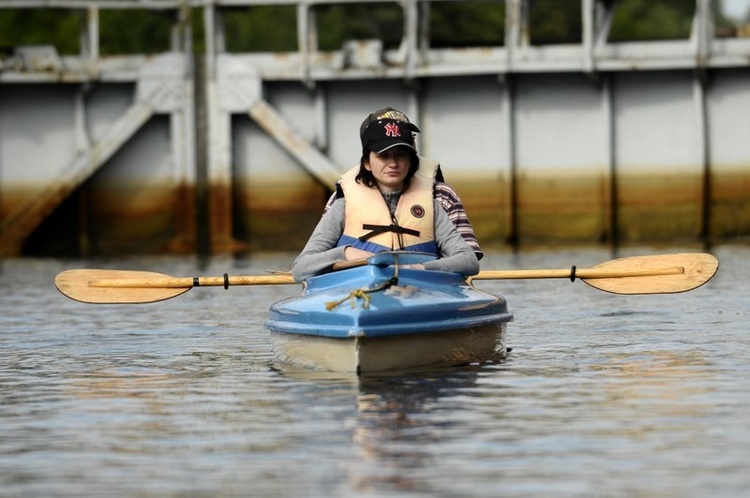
(394, 428)
(602, 395)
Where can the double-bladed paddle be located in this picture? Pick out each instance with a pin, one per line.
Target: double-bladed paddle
(654, 274)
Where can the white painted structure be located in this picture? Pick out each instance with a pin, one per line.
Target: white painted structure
(545, 143)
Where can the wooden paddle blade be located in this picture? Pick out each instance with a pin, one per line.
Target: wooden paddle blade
(655, 274)
(76, 285)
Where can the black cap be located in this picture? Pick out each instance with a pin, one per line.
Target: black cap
(386, 128)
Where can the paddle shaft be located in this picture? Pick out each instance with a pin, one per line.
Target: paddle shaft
(583, 273)
(656, 274)
(189, 282)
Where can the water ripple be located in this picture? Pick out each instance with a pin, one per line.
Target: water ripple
(602, 395)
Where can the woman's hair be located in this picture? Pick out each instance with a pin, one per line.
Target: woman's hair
(365, 175)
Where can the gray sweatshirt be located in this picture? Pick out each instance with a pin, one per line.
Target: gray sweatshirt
(321, 252)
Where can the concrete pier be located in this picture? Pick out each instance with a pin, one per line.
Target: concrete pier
(591, 143)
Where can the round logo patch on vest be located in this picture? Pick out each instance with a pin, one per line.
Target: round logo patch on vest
(417, 211)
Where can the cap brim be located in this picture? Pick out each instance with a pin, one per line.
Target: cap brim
(380, 147)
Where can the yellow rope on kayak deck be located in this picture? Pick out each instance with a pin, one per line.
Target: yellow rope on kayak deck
(353, 295)
(362, 294)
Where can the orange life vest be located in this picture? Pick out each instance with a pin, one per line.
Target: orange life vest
(368, 223)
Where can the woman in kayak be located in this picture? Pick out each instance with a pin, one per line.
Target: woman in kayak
(443, 192)
(387, 203)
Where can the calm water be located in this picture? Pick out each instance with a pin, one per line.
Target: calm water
(603, 395)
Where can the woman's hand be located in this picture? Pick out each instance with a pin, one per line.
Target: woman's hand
(352, 253)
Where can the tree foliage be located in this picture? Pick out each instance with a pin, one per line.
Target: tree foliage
(454, 24)
(274, 28)
(652, 20)
(263, 28)
(40, 27)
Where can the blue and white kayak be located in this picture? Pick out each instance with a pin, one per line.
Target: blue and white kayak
(383, 317)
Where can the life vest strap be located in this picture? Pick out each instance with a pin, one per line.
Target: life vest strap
(378, 229)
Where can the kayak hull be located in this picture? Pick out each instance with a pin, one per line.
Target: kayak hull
(372, 319)
(365, 354)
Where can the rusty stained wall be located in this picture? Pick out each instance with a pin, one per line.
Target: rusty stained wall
(276, 203)
(602, 142)
(537, 158)
(729, 153)
(135, 204)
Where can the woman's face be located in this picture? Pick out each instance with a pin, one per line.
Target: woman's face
(389, 168)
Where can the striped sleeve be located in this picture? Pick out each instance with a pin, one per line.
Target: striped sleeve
(452, 205)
